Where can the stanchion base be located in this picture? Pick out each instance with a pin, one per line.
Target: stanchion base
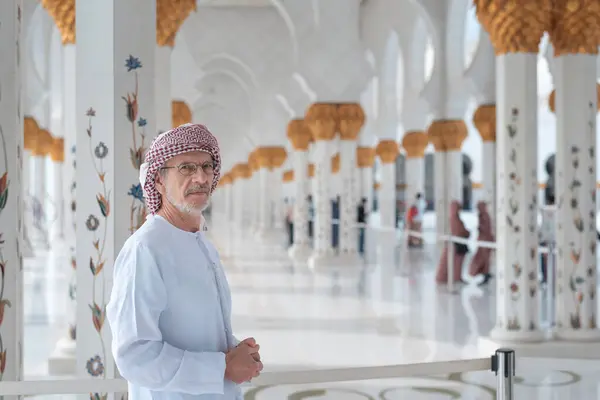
(547, 349)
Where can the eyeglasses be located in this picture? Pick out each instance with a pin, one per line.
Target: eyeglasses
(189, 168)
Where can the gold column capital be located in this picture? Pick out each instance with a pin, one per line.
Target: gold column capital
(31, 131)
(387, 150)
(351, 119)
(447, 134)
(253, 163)
(63, 14)
(180, 113)
(288, 176)
(170, 15)
(270, 156)
(515, 26)
(226, 179)
(484, 120)
(57, 150)
(321, 118)
(299, 134)
(335, 163)
(575, 27)
(365, 157)
(415, 143)
(311, 170)
(42, 144)
(241, 170)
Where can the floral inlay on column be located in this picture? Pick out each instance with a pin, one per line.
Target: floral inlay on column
(581, 277)
(137, 209)
(4, 302)
(98, 225)
(519, 287)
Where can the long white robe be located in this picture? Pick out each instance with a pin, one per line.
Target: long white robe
(170, 316)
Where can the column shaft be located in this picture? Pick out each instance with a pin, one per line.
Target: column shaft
(576, 276)
(115, 113)
(11, 202)
(517, 241)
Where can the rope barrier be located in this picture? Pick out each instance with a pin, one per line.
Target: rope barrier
(85, 386)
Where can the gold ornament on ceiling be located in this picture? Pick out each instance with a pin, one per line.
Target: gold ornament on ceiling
(170, 15)
(63, 14)
(575, 27)
(515, 26)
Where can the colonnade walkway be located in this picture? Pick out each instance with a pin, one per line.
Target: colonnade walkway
(306, 319)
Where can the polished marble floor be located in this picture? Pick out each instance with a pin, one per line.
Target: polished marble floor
(327, 319)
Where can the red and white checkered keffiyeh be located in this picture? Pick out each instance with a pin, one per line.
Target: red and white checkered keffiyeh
(183, 139)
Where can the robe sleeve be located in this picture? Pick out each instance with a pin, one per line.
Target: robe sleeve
(138, 298)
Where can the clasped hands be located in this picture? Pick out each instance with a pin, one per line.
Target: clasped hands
(242, 363)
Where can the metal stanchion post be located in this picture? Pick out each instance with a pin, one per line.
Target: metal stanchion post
(503, 364)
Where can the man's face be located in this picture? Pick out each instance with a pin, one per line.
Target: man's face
(185, 181)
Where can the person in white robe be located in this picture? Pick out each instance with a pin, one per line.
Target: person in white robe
(170, 306)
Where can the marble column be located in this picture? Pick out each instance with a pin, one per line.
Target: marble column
(38, 203)
(277, 210)
(517, 316)
(267, 159)
(11, 200)
(30, 132)
(484, 120)
(387, 150)
(57, 156)
(241, 175)
(365, 160)
(115, 113)
(576, 109)
(300, 136)
(321, 118)
(414, 143)
(447, 137)
(351, 119)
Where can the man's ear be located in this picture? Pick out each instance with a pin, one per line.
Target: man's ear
(159, 183)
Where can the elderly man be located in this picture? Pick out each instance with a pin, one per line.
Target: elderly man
(170, 308)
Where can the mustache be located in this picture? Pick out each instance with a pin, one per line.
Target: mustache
(198, 189)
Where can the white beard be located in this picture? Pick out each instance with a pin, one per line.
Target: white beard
(186, 208)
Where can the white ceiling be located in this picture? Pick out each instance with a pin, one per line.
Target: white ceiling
(238, 3)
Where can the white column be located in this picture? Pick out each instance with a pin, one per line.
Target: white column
(301, 249)
(63, 359)
(414, 143)
(322, 255)
(484, 120)
(115, 124)
(11, 202)
(489, 177)
(576, 276)
(277, 211)
(348, 232)
(39, 233)
(58, 227)
(28, 251)
(454, 175)
(162, 88)
(517, 285)
(415, 178)
(263, 211)
(366, 186)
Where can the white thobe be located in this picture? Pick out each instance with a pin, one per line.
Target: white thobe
(170, 316)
